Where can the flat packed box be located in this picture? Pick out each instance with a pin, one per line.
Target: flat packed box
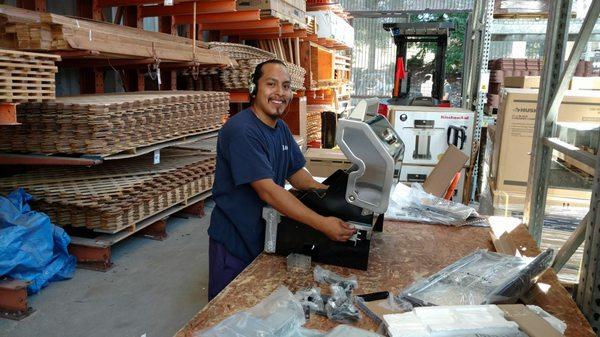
(323, 162)
(417, 174)
(427, 131)
(585, 83)
(531, 82)
(331, 26)
(514, 133)
(512, 204)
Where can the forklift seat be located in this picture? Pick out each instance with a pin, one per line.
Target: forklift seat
(423, 101)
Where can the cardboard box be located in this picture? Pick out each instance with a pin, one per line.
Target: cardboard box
(514, 134)
(531, 82)
(331, 26)
(323, 162)
(418, 174)
(585, 83)
(438, 182)
(430, 126)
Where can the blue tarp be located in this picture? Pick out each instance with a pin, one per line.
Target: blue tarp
(31, 247)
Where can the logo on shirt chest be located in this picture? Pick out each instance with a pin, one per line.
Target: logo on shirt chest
(284, 147)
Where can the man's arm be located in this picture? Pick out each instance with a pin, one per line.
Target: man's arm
(288, 205)
(304, 181)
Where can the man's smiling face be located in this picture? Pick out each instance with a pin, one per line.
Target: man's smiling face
(274, 90)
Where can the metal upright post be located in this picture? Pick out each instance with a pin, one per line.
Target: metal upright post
(553, 85)
(484, 57)
(539, 166)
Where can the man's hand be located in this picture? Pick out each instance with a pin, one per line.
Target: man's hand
(336, 229)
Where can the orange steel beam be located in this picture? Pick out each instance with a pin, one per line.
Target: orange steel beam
(239, 97)
(240, 16)
(117, 3)
(8, 114)
(278, 31)
(295, 34)
(188, 8)
(264, 23)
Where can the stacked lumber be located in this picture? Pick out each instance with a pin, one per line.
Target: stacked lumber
(117, 194)
(111, 123)
(27, 77)
(29, 30)
(247, 58)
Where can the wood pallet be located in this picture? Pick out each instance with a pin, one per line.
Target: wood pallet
(27, 77)
(29, 30)
(93, 250)
(107, 124)
(118, 194)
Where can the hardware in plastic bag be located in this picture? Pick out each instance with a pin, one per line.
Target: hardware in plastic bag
(480, 278)
(416, 205)
(278, 315)
(323, 275)
(340, 306)
(311, 299)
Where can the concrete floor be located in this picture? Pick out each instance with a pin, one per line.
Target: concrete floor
(154, 288)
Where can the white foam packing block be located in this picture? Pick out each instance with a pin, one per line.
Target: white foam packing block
(450, 321)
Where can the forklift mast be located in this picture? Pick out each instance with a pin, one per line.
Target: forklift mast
(404, 33)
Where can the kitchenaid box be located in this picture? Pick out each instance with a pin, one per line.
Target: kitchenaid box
(427, 131)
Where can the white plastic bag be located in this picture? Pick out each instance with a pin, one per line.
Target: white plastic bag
(416, 205)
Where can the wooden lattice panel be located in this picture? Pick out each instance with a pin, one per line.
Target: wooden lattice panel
(118, 194)
(112, 123)
(248, 57)
(27, 77)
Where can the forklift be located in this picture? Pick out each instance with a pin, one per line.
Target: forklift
(404, 33)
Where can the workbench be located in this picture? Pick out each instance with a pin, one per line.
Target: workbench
(402, 254)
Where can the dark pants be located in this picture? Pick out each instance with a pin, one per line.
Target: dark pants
(222, 268)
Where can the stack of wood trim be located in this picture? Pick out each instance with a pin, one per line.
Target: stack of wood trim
(117, 194)
(27, 77)
(111, 123)
(29, 30)
(247, 57)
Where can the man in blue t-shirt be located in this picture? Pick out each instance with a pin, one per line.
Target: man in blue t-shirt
(256, 154)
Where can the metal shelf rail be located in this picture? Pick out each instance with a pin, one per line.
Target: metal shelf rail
(553, 84)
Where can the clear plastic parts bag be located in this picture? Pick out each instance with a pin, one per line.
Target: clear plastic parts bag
(278, 315)
(340, 307)
(350, 331)
(311, 299)
(416, 205)
(480, 278)
(323, 275)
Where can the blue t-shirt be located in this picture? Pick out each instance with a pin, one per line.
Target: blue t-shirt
(248, 150)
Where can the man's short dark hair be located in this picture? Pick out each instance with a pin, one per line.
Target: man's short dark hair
(258, 73)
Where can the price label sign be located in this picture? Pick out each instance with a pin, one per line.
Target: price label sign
(168, 2)
(156, 157)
